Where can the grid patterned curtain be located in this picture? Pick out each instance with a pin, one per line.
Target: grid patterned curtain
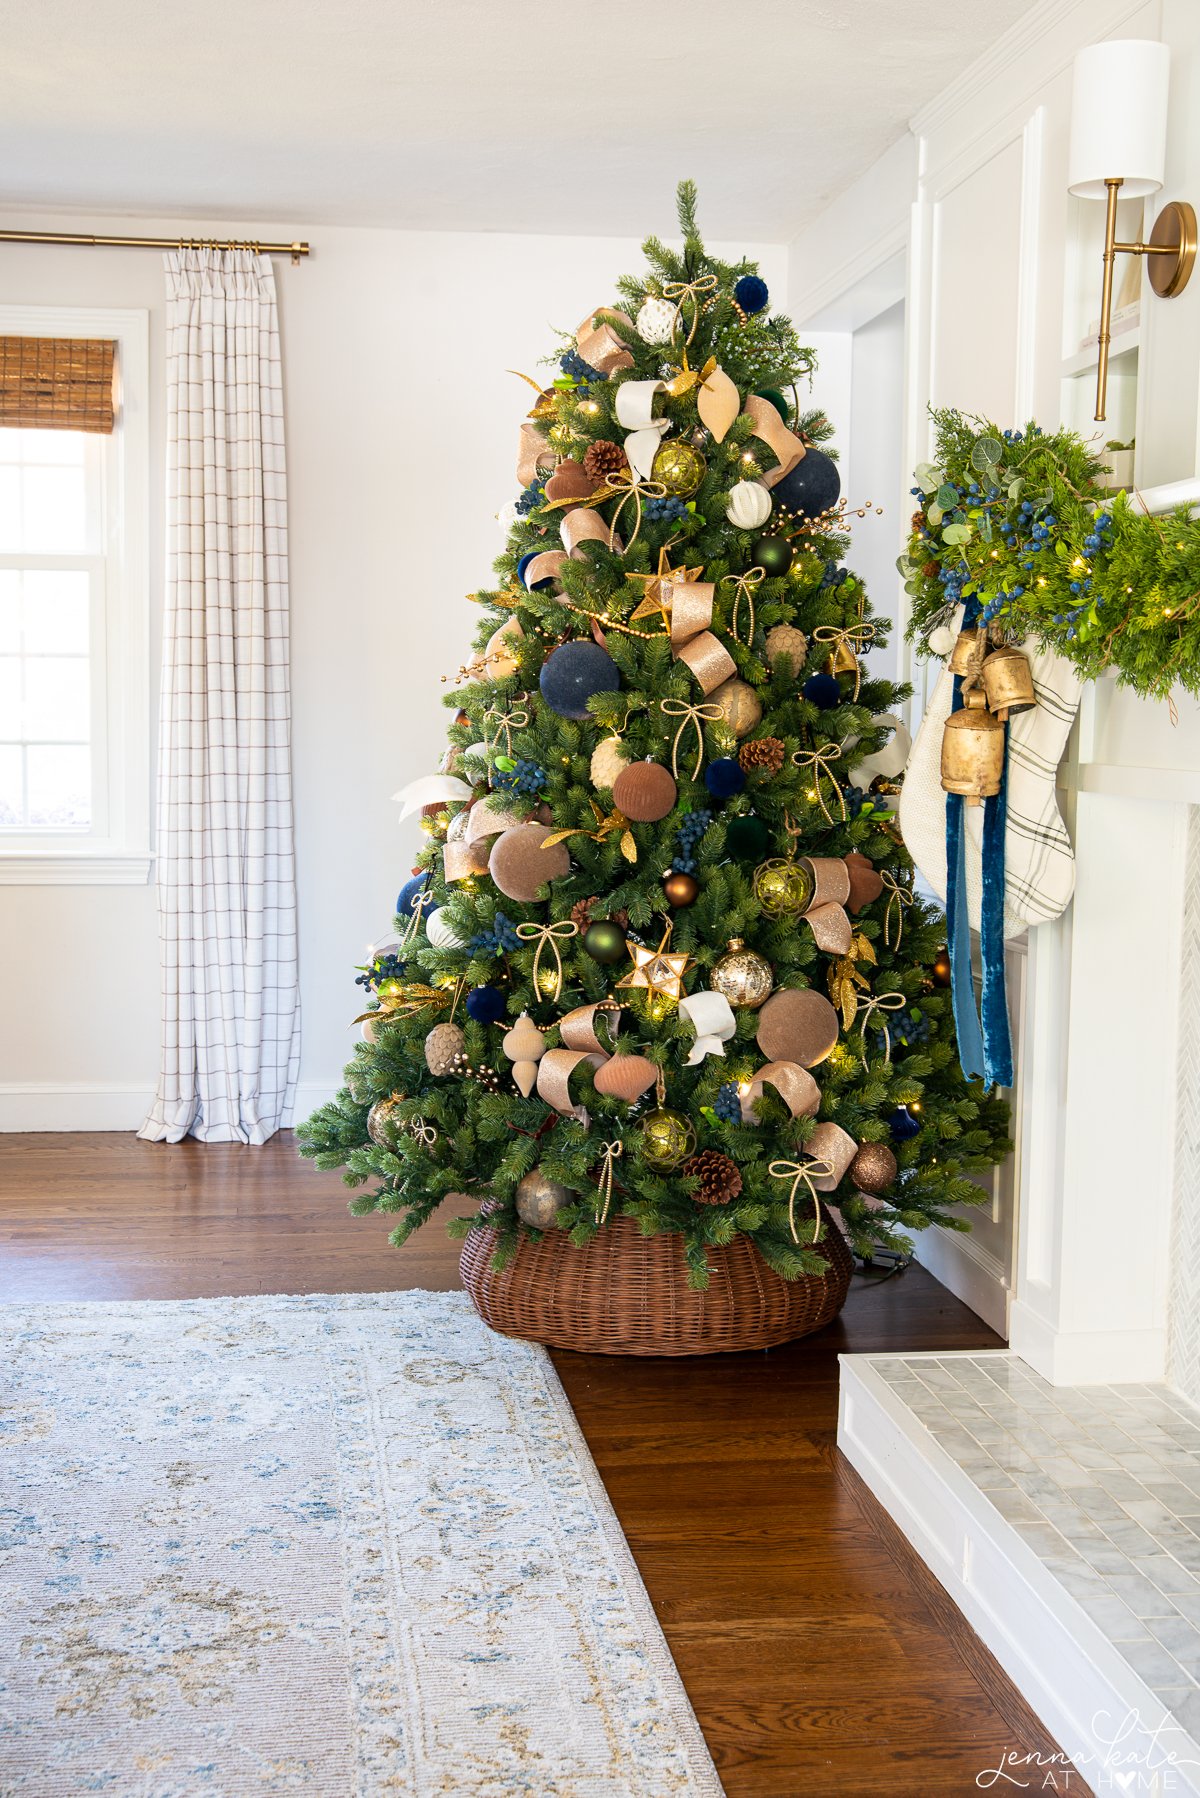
(226, 863)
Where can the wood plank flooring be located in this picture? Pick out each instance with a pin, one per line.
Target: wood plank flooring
(821, 1656)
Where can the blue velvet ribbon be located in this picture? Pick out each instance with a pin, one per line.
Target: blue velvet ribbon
(984, 1050)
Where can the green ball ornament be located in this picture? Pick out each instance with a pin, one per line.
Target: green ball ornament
(774, 554)
(776, 399)
(747, 838)
(667, 1139)
(680, 467)
(604, 941)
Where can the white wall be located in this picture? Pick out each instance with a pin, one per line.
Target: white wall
(875, 471)
(401, 438)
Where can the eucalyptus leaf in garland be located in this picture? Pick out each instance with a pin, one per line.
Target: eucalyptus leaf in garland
(1018, 521)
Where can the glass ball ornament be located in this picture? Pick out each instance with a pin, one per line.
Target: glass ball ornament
(680, 467)
(742, 976)
(539, 1200)
(903, 1124)
(667, 1139)
(383, 1124)
(680, 889)
(746, 838)
(941, 967)
(774, 554)
(784, 889)
(604, 941)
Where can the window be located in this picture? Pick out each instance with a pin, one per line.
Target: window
(74, 679)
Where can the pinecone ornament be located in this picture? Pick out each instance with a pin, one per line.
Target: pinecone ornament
(719, 1178)
(604, 459)
(582, 916)
(762, 752)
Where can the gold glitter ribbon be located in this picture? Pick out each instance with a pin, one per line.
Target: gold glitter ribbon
(802, 1173)
(898, 898)
(580, 525)
(422, 1133)
(784, 445)
(692, 642)
(681, 292)
(794, 1084)
(554, 1080)
(533, 449)
(548, 935)
(826, 914)
(821, 762)
(695, 715)
(853, 639)
(599, 344)
(506, 719)
(609, 1152)
(744, 585)
(578, 1028)
(885, 1002)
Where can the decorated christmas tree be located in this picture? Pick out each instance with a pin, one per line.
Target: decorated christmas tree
(660, 956)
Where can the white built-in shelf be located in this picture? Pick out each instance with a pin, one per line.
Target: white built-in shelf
(1123, 349)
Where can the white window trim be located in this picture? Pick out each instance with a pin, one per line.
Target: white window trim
(123, 856)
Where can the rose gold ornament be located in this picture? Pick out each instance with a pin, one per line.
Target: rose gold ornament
(644, 792)
(797, 1024)
(520, 865)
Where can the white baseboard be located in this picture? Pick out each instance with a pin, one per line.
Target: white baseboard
(1059, 1660)
(968, 1271)
(1086, 1357)
(93, 1105)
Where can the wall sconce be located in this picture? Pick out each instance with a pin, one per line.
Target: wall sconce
(1119, 122)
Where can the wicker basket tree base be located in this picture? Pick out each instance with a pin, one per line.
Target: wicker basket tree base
(627, 1294)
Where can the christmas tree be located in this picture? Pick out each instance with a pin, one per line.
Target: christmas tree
(660, 955)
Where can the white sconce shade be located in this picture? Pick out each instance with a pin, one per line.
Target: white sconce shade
(1119, 118)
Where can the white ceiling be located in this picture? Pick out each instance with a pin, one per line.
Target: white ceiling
(574, 116)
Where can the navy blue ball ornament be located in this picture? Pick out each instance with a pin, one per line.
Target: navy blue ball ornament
(751, 293)
(812, 487)
(523, 564)
(572, 673)
(823, 691)
(485, 1004)
(903, 1124)
(406, 897)
(724, 777)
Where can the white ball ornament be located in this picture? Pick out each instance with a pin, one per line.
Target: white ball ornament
(749, 505)
(508, 515)
(609, 757)
(942, 640)
(440, 930)
(655, 320)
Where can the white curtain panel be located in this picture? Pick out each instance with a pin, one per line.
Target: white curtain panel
(226, 862)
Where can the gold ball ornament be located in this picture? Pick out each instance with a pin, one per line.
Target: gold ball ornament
(645, 792)
(742, 976)
(679, 467)
(741, 708)
(786, 646)
(608, 759)
(874, 1167)
(442, 1045)
(383, 1125)
(797, 1024)
(783, 889)
(667, 1140)
(540, 1199)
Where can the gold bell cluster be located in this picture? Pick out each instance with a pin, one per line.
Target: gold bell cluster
(997, 683)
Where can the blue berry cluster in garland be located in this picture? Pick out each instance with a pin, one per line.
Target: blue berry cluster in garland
(832, 575)
(665, 509)
(687, 840)
(573, 364)
(523, 777)
(533, 496)
(384, 967)
(501, 938)
(727, 1104)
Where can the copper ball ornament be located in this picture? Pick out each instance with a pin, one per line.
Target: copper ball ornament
(784, 889)
(741, 708)
(873, 1168)
(680, 467)
(680, 889)
(521, 865)
(540, 1199)
(797, 1024)
(742, 976)
(667, 1140)
(940, 970)
(645, 792)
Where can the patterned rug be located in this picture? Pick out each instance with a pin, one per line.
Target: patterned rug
(321, 1545)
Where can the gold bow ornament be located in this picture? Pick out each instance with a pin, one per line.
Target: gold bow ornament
(683, 291)
(743, 588)
(821, 763)
(609, 1152)
(879, 1005)
(898, 897)
(695, 715)
(548, 935)
(505, 719)
(847, 643)
(802, 1173)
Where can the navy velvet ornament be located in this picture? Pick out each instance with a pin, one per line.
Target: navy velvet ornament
(523, 564)
(408, 893)
(903, 1124)
(724, 777)
(822, 690)
(751, 293)
(572, 673)
(485, 1004)
(812, 487)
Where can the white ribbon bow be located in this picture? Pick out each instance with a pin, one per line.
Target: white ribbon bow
(635, 410)
(711, 1017)
(431, 789)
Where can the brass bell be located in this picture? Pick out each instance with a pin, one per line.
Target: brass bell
(841, 660)
(965, 646)
(973, 750)
(1008, 681)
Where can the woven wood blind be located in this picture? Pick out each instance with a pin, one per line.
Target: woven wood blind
(57, 383)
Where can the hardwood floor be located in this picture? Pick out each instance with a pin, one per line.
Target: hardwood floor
(820, 1654)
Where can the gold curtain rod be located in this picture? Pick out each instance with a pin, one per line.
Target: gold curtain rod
(294, 250)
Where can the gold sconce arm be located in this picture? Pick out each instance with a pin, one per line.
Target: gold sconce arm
(1172, 252)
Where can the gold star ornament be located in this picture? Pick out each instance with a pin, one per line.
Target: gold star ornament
(656, 972)
(660, 588)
